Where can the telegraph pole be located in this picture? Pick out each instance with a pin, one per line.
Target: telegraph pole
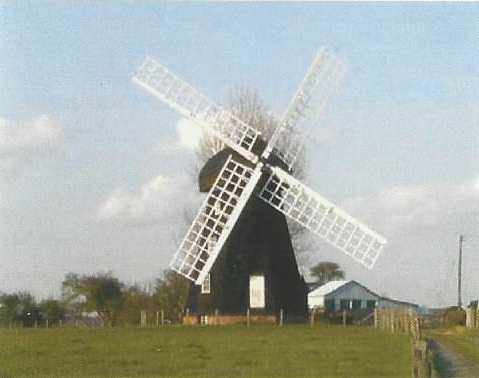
(459, 272)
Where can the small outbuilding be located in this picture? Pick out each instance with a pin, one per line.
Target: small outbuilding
(350, 295)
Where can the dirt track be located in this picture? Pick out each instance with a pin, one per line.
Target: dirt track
(450, 364)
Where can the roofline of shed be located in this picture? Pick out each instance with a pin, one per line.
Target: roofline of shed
(372, 293)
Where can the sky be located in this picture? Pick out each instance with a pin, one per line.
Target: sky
(97, 175)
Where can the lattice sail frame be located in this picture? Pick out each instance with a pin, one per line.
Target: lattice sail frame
(307, 105)
(302, 204)
(191, 103)
(215, 220)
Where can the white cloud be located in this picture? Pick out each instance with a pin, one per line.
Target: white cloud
(20, 141)
(188, 138)
(41, 133)
(190, 134)
(158, 199)
(422, 224)
(166, 147)
(411, 209)
(476, 184)
(332, 135)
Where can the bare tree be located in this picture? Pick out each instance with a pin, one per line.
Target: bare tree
(246, 105)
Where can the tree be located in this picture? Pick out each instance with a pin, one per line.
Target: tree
(171, 293)
(100, 292)
(52, 310)
(72, 299)
(246, 105)
(10, 307)
(327, 271)
(136, 299)
(20, 306)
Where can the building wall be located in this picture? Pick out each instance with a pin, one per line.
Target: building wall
(315, 301)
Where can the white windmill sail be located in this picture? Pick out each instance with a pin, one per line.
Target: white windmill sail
(313, 211)
(215, 220)
(191, 103)
(294, 199)
(307, 105)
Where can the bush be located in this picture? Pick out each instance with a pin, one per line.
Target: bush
(455, 316)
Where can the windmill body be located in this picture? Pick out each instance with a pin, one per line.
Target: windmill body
(258, 248)
(238, 244)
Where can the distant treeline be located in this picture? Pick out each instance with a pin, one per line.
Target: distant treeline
(102, 295)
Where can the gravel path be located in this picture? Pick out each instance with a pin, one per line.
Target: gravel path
(450, 364)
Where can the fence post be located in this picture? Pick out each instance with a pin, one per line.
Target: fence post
(344, 318)
(157, 319)
(60, 322)
(162, 315)
(247, 317)
(280, 317)
(311, 318)
(470, 317)
(46, 323)
(375, 318)
(421, 363)
(142, 319)
(216, 316)
(410, 322)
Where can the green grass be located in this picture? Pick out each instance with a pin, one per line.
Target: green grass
(460, 339)
(195, 351)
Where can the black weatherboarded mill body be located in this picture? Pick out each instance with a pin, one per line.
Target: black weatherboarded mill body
(256, 268)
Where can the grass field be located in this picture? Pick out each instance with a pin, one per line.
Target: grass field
(187, 351)
(462, 340)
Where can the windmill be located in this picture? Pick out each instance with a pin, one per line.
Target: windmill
(250, 192)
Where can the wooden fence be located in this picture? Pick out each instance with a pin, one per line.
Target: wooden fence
(395, 321)
(407, 322)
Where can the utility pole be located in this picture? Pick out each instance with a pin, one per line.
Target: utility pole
(459, 272)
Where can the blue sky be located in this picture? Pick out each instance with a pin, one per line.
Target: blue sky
(401, 150)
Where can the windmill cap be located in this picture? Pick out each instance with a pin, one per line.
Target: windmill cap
(212, 167)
